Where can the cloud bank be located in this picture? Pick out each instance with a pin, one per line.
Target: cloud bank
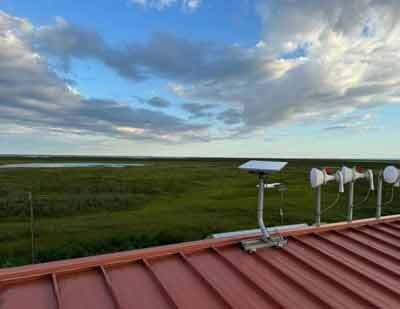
(32, 95)
(313, 61)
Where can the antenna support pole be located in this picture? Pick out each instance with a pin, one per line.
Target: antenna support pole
(318, 206)
(379, 195)
(260, 207)
(262, 169)
(266, 239)
(350, 202)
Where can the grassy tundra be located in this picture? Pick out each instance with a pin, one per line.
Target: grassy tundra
(86, 211)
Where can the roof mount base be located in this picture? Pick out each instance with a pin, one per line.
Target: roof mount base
(251, 246)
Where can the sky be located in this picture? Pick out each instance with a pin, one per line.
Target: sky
(229, 78)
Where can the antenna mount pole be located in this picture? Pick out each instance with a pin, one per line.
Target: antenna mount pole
(266, 240)
(260, 208)
(379, 195)
(350, 202)
(318, 206)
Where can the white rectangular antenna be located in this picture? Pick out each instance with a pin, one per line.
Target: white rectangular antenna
(263, 167)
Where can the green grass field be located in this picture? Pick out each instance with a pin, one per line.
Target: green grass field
(87, 211)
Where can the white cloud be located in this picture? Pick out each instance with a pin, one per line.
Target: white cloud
(317, 58)
(187, 5)
(314, 60)
(177, 89)
(191, 5)
(32, 96)
(261, 44)
(156, 4)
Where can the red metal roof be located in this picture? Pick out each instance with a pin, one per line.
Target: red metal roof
(335, 266)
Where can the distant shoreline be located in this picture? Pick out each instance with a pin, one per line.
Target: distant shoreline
(106, 157)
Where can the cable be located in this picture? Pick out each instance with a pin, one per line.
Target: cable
(366, 198)
(391, 198)
(335, 202)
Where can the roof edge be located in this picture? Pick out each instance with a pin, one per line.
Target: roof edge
(72, 265)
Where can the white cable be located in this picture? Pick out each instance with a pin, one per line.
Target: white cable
(335, 202)
(366, 198)
(391, 198)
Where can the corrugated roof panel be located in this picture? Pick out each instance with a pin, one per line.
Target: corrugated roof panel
(363, 253)
(30, 294)
(350, 273)
(232, 284)
(276, 281)
(135, 287)
(335, 266)
(186, 287)
(86, 289)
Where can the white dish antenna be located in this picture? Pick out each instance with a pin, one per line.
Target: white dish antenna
(350, 176)
(317, 178)
(347, 174)
(391, 174)
(322, 177)
(353, 174)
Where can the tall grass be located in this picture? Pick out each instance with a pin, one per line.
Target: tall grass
(87, 211)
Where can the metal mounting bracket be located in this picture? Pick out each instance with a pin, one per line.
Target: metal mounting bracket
(251, 246)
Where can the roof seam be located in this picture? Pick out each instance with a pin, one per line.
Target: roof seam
(160, 284)
(359, 256)
(76, 265)
(369, 246)
(293, 280)
(327, 296)
(330, 277)
(351, 269)
(215, 289)
(391, 234)
(110, 288)
(338, 266)
(56, 290)
(247, 278)
(378, 239)
(394, 222)
(391, 225)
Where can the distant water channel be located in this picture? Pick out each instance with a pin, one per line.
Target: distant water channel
(68, 165)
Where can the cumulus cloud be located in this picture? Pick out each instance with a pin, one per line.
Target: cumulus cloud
(313, 60)
(66, 41)
(161, 56)
(33, 96)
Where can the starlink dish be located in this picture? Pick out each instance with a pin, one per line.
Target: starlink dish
(263, 168)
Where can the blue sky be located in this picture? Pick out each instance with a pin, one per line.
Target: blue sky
(200, 78)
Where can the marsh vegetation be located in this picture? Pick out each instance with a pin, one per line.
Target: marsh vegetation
(86, 211)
